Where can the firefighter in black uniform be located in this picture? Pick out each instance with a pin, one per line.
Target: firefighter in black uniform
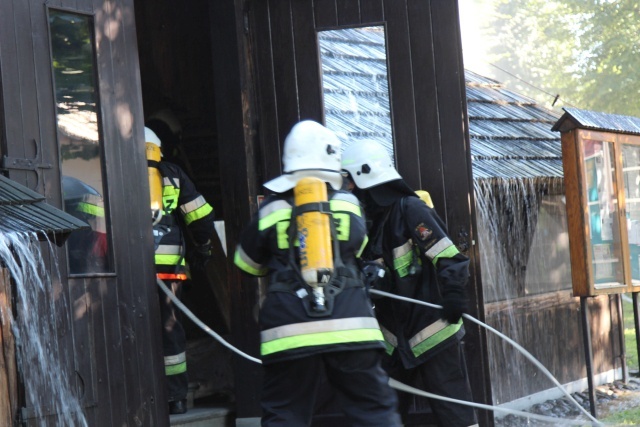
(300, 340)
(182, 206)
(410, 241)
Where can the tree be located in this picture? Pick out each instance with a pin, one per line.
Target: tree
(587, 51)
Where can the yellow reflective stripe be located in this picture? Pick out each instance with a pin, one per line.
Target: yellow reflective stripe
(170, 196)
(199, 213)
(433, 335)
(323, 338)
(161, 259)
(390, 341)
(90, 209)
(402, 257)
(317, 326)
(364, 245)
(441, 246)
(282, 236)
(274, 217)
(246, 264)
(322, 332)
(342, 222)
(174, 365)
(450, 252)
(345, 206)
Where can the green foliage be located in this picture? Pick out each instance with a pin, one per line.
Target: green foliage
(585, 50)
(631, 347)
(630, 417)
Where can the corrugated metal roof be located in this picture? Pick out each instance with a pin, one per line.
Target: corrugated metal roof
(601, 121)
(510, 135)
(24, 210)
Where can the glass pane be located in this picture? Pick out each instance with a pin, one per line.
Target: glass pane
(631, 173)
(79, 139)
(601, 185)
(549, 265)
(355, 85)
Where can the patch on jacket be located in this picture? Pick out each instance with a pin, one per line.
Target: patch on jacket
(423, 232)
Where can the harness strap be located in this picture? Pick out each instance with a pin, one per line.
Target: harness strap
(288, 280)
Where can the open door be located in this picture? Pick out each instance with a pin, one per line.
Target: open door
(72, 110)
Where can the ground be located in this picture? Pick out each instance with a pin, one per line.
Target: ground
(612, 399)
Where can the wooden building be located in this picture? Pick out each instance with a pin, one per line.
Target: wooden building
(523, 238)
(78, 79)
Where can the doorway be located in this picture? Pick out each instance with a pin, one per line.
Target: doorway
(176, 73)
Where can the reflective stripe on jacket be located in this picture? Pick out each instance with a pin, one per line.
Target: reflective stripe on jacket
(415, 245)
(288, 331)
(183, 206)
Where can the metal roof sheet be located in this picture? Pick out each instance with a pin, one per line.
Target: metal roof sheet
(510, 135)
(24, 210)
(601, 121)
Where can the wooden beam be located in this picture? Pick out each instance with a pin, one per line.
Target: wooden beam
(8, 372)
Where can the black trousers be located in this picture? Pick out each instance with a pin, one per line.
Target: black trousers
(174, 344)
(290, 388)
(445, 374)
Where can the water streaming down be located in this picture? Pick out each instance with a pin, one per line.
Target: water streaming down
(47, 384)
(523, 243)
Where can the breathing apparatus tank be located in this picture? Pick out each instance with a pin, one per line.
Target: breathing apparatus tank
(154, 154)
(314, 235)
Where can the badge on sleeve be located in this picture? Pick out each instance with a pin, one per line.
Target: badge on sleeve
(423, 232)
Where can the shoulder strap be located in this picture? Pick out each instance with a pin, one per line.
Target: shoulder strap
(166, 173)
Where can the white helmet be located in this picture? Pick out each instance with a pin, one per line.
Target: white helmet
(150, 136)
(369, 164)
(310, 150)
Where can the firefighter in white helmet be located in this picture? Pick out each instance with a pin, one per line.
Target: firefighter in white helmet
(182, 206)
(301, 339)
(423, 264)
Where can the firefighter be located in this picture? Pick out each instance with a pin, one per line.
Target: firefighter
(183, 207)
(409, 239)
(88, 248)
(303, 338)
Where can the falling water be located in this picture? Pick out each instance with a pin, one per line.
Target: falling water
(520, 257)
(49, 396)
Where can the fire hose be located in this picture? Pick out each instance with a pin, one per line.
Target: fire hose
(406, 388)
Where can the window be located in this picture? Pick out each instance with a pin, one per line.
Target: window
(79, 140)
(355, 85)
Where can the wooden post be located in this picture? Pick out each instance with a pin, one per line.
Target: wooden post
(623, 348)
(8, 373)
(588, 353)
(636, 319)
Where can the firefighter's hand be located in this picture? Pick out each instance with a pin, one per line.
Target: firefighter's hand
(201, 255)
(454, 305)
(375, 276)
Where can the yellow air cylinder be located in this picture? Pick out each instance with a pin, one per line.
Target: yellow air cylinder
(314, 233)
(425, 197)
(155, 181)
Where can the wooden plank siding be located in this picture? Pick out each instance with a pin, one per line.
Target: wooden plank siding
(428, 109)
(529, 320)
(240, 167)
(107, 326)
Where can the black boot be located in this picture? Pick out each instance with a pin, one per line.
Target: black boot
(178, 407)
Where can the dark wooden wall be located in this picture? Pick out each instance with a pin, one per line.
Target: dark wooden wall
(540, 323)
(427, 104)
(107, 325)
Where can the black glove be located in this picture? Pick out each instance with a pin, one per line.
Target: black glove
(376, 277)
(201, 255)
(454, 304)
